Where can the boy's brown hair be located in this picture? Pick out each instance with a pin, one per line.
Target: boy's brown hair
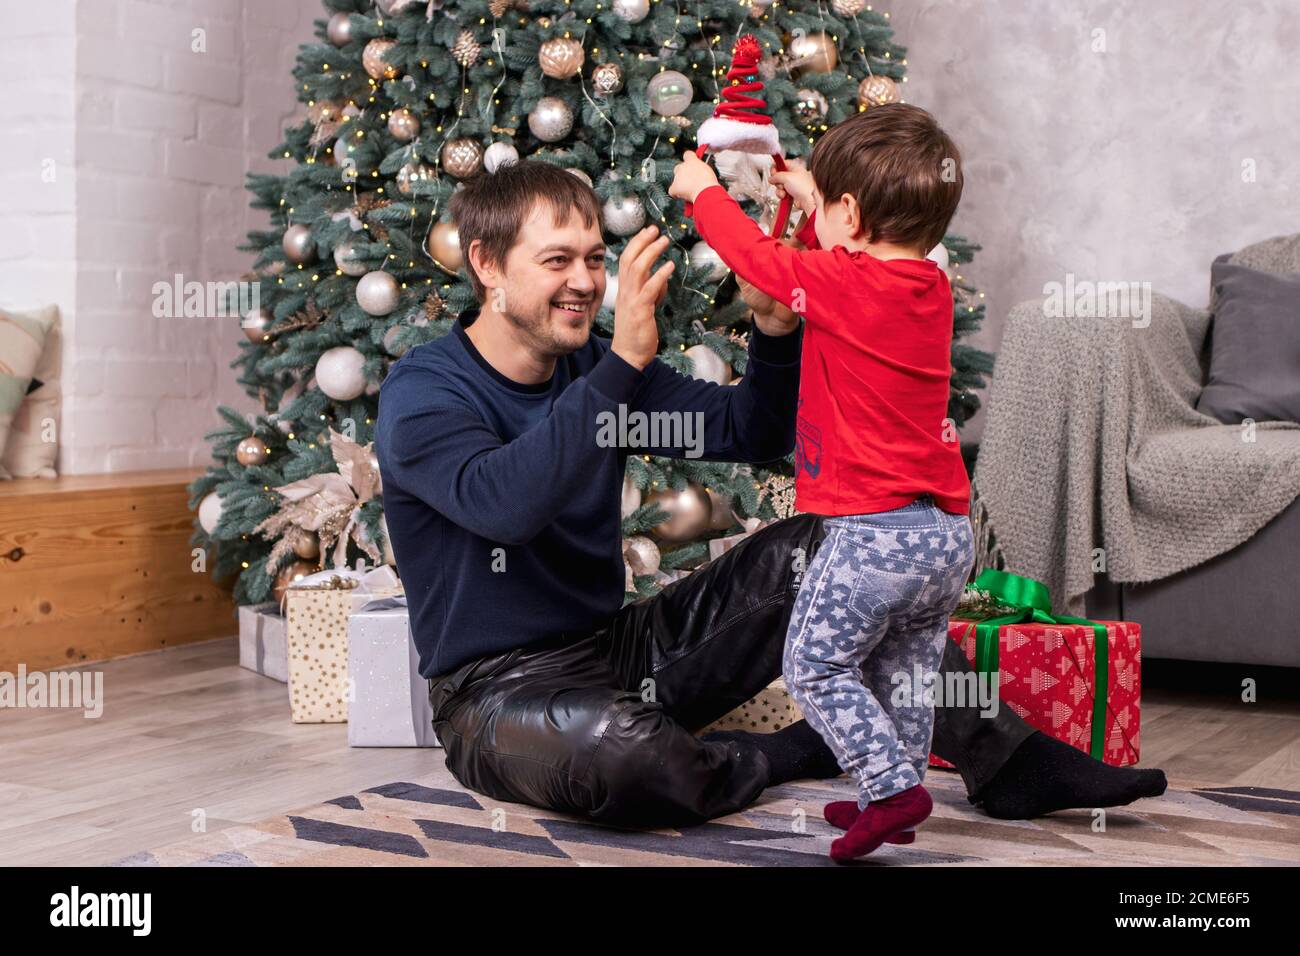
(901, 167)
(492, 207)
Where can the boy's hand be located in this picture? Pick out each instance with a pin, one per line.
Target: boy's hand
(691, 177)
(797, 183)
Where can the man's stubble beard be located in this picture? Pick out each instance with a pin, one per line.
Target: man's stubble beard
(537, 331)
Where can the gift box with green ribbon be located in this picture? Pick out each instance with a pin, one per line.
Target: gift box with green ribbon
(1078, 680)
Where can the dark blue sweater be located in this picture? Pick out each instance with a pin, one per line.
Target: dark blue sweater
(503, 507)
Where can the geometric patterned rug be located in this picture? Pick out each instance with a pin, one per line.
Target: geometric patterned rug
(415, 824)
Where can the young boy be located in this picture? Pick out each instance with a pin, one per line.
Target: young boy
(876, 453)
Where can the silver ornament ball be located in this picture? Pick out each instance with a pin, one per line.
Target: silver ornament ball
(377, 293)
(498, 155)
(633, 11)
(551, 119)
(670, 92)
(624, 215)
(704, 256)
(299, 247)
(340, 373)
(345, 258)
(708, 365)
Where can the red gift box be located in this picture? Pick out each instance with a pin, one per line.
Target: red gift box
(1047, 674)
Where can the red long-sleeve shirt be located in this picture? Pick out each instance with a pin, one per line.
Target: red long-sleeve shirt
(873, 428)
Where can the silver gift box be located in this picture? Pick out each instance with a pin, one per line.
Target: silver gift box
(263, 647)
(390, 702)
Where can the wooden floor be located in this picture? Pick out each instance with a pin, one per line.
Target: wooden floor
(186, 729)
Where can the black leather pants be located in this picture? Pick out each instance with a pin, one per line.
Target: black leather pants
(602, 724)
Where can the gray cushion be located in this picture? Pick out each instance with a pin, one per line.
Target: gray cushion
(1255, 346)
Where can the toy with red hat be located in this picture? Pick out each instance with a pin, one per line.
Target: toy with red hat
(739, 121)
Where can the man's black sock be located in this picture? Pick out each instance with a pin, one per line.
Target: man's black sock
(1044, 774)
(796, 752)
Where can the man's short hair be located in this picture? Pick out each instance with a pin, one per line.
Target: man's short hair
(492, 208)
(904, 171)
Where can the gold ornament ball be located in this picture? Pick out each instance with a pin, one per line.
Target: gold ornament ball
(413, 173)
(374, 59)
(339, 30)
(607, 79)
(256, 323)
(443, 244)
(462, 157)
(403, 125)
(561, 58)
(813, 53)
(689, 513)
(299, 247)
(848, 8)
(289, 574)
(579, 174)
(304, 544)
(877, 91)
(722, 517)
(252, 451)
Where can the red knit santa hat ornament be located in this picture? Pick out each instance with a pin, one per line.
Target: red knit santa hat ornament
(739, 123)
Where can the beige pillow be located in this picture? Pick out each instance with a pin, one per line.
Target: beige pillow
(24, 337)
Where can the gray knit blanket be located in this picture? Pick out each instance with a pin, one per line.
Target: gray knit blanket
(1094, 458)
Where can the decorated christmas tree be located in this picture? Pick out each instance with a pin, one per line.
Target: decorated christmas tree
(405, 100)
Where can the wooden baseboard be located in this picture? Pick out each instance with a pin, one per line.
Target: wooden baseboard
(100, 566)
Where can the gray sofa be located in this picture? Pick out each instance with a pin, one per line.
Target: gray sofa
(1243, 606)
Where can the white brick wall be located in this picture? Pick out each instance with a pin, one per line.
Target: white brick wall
(149, 142)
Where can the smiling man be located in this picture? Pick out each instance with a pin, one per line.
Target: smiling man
(503, 504)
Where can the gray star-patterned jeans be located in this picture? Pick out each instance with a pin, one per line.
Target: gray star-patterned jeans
(870, 619)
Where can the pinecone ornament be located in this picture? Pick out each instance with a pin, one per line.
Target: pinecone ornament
(466, 50)
(499, 8)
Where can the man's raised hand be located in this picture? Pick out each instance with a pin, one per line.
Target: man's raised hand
(636, 336)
